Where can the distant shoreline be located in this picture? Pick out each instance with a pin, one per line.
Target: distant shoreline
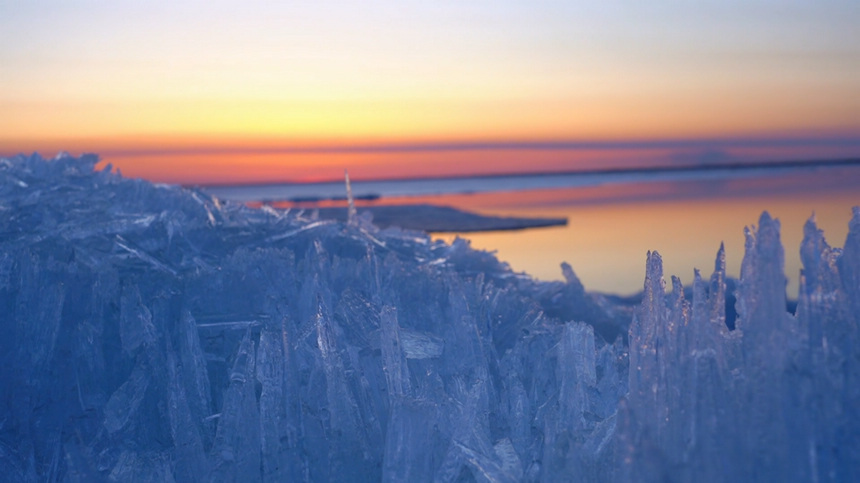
(407, 187)
(729, 166)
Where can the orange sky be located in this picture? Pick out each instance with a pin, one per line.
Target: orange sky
(191, 91)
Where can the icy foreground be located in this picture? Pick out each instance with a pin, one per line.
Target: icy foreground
(152, 334)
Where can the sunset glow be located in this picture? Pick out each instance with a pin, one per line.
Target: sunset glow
(192, 92)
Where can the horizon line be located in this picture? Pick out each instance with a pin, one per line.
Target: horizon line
(478, 145)
(733, 165)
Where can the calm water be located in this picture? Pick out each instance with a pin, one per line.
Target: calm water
(611, 228)
(614, 222)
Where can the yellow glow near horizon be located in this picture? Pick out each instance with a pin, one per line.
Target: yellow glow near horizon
(81, 74)
(416, 119)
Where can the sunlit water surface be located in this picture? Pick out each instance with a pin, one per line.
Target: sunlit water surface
(610, 229)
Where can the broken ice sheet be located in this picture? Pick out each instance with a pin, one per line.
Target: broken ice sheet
(154, 334)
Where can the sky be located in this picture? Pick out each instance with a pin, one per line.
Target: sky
(221, 91)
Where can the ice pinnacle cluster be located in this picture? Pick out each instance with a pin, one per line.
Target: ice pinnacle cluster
(776, 399)
(151, 333)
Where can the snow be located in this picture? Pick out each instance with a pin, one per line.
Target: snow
(153, 333)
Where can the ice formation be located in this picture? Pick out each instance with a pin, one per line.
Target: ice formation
(152, 333)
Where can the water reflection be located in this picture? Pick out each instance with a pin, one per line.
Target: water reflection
(611, 228)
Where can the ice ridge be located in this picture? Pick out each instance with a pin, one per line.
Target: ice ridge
(153, 333)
